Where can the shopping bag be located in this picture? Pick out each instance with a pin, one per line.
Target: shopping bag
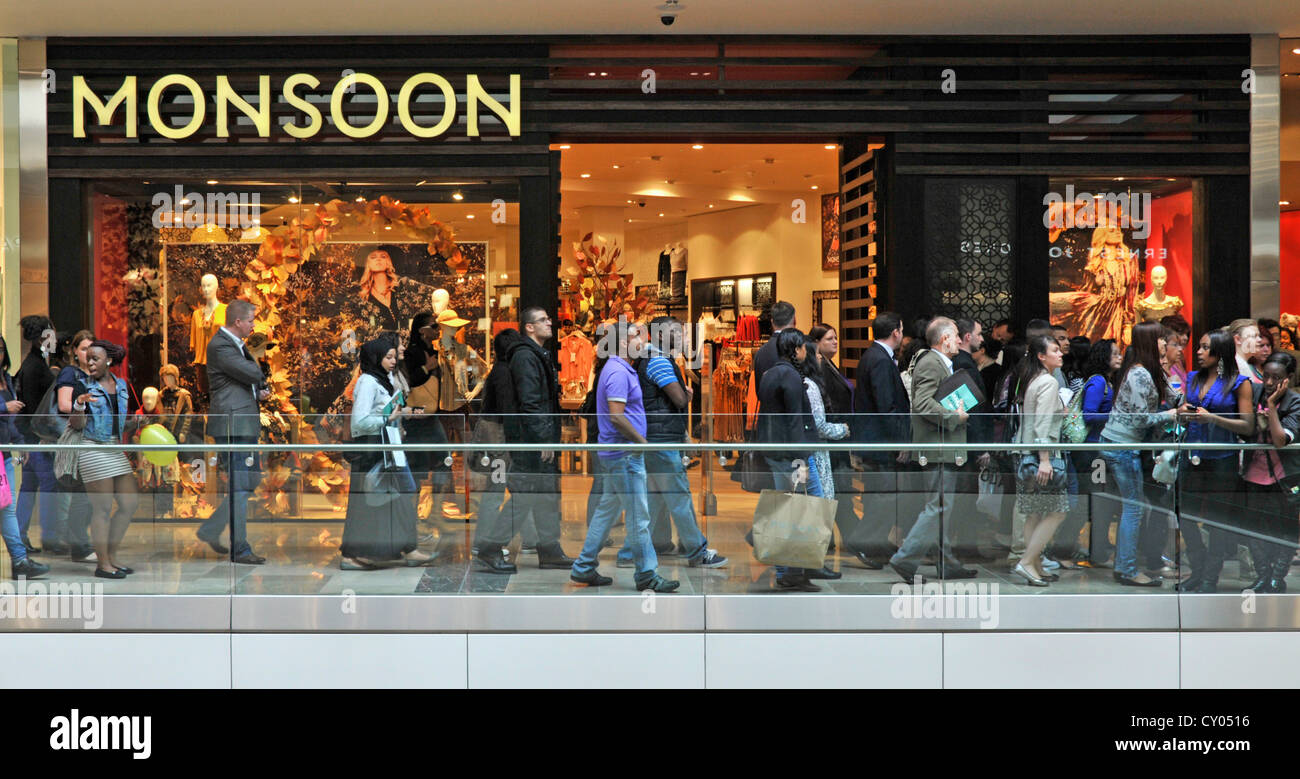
(792, 528)
(991, 496)
(6, 492)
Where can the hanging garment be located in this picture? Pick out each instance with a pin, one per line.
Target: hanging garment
(577, 356)
(747, 329)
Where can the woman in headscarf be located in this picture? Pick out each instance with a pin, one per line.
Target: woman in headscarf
(376, 530)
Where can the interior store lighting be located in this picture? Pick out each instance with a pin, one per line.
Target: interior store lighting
(293, 199)
(457, 195)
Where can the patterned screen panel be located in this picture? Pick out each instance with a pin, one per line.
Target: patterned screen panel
(970, 248)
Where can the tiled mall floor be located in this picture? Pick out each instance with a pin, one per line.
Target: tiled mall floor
(302, 558)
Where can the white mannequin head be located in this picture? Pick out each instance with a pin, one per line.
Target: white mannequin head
(1159, 277)
(149, 399)
(440, 299)
(208, 286)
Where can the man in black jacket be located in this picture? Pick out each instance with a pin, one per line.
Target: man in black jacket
(881, 407)
(500, 406)
(766, 356)
(970, 534)
(535, 476)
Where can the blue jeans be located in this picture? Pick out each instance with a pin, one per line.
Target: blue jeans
(624, 491)
(783, 478)
(234, 505)
(1125, 466)
(9, 520)
(38, 484)
(669, 495)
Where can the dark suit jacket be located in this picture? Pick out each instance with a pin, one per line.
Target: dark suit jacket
(764, 358)
(880, 401)
(232, 375)
(980, 427)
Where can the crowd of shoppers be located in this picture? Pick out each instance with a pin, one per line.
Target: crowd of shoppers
(1027, 389)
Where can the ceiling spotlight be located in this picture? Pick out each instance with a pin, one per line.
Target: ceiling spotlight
(505, 276)
(629, 201)
(212, 181)
(388, 227)
(616, 167)
(1284, 202)
(565, 146)
(710, 205)
(695, 73)
(830, 147)
(661, 213)
(457, 195)
(603, 73)
(814, 186)
(361, 199)
(592, 73)
(1295, 51)
(697, 146)
(585, 175)
(469, 216)
(293, 199)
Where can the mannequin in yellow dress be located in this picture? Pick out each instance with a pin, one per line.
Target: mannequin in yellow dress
(205, 321)
(1158, 305)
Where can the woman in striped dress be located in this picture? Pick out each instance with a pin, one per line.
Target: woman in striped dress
(100, 413)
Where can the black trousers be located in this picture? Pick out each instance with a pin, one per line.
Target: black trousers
(1211, 492)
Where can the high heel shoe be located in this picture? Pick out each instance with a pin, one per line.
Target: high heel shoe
(1030, 579)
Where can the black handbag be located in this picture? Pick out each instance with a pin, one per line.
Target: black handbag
(1027, 473)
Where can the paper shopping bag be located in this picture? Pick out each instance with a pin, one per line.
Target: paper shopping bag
(792, 529)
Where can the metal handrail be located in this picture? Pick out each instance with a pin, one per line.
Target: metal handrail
(833, 446)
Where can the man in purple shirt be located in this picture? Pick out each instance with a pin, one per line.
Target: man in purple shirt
(620, 418)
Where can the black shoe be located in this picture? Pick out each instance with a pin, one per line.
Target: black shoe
(29, 569)
(493, 562)
(124, 569)
(114, 574)
(591, 579)
(27, 543)
(553, 558)
(870, 563)
(216, 545)
(248, 558)
(955, 570)
(796, 584)
(657, 583)
(82, 555)
(1190, 584)
(823, 573)
(908, 573)
(56, 549)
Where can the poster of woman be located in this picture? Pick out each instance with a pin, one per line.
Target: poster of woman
(1094, 285)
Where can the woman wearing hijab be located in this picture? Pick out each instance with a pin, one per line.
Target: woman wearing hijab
(377, 532)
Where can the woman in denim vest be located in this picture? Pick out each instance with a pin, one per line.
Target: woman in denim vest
(100, 413)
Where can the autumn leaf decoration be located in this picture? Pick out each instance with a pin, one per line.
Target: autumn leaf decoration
(603, 288)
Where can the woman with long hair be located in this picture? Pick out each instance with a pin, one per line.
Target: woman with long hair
(15, 538)
(100, 411)
(1219, 409)
(422, 374)
(815, 389)
(378, 279)
(1101, 365)
(1042, 504)
(377, 531)
(1142, 388)
(1278, 419)
(73, 503)
(34, 380)
(838, 395)
(785, 416)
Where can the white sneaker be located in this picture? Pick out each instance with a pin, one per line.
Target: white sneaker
(711, 559)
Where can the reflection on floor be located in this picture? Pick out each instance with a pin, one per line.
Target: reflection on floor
(302, 559)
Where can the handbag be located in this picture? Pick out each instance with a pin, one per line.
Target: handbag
(6, 492)
(486, 431)
(66, 471)
(47, 423)
(792, 528)
(1027, 473)
(755, 476)
(1165, 470)
(1074, 429)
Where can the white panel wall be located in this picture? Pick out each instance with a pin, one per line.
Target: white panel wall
(588, 660)
(825, 660)
(106, 660)
(1060, 660)
(346, 660)
(1241, 660)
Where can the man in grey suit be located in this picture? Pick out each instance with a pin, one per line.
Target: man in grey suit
(931, 424)
(236, 385)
